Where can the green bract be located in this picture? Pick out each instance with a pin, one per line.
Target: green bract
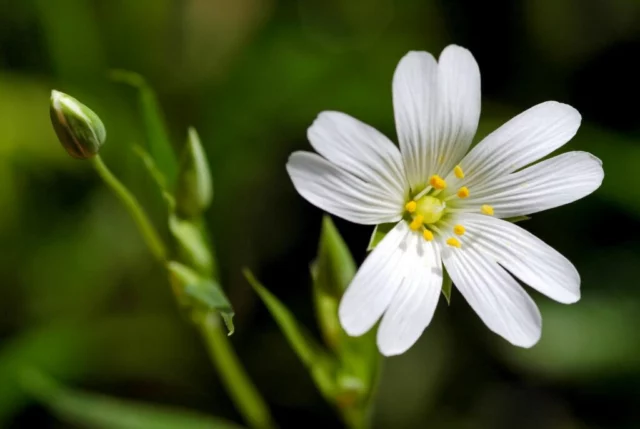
(78, 128)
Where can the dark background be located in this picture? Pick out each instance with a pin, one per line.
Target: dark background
(82, 299)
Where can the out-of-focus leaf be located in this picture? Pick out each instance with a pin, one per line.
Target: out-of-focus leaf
(321, 365)
(199, 293)
(194, 191)
(446, 286)
(156, 131)
(378, 234)
(104, 412)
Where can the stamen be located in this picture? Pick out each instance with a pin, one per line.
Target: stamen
(416, 223)
(411, 206)
(459, 229)
(487, 209)
(458, 172)
(463, 192)
(437, 182)
(428, 235)
(453, 242)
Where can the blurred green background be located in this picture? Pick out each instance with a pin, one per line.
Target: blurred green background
(83, 300)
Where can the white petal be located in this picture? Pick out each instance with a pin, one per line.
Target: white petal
(495, 296)
(376, 282)
(437, 107)
(341, 193)
(459, 86)
(415, 105)
(551, 183)
(414, 303)
(524, 255)
(526, 138)
(359, 149)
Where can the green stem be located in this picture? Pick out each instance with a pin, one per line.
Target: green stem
(235, 379)
(149, 233)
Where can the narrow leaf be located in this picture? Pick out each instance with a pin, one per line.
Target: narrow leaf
(335, 266)
(196, 292)
(156, 131)
(378, 234)
(103, 412)
(155, 174)
(312, 355)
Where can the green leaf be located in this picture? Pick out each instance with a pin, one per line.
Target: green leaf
(447, 284)
(378, 234)
(103, 412)
(157, 135)
(321, 365)
(516, 219)
(335, 265)
(199, 294)
(194, 191)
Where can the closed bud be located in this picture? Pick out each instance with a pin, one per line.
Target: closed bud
(78, 128)
(194, 192)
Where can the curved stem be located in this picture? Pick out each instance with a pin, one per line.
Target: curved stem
(235, 379)
(149, 233)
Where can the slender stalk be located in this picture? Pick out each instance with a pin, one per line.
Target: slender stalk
(156, 246)
(243, 393)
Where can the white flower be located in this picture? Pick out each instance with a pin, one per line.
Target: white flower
(448, 204)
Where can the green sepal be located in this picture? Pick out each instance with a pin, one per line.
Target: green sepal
(320, 364)
(198, 294)
(94, 410)
(379, 232)
(447, 285)
(516, 219)
(155, 128)
(194, 190)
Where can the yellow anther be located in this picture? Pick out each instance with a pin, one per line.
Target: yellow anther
(411, 206)
(458, 172)
(487, 209)
(453, 242)
(416, 223)
(428, 235)
(459, 229)
(463, 192)
(437, 182)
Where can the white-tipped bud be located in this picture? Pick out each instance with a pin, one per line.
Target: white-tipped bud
(78, 128)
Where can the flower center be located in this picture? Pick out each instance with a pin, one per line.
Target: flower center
(430, 208)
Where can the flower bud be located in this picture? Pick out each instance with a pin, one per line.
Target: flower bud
(78, 128)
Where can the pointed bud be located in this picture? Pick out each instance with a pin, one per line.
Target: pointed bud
(78, 128)
(195, 187)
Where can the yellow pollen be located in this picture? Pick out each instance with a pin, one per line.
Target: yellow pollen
(463, 192)
(458, 172)
(487, 209)
(459, 229)
(453, 242)
(411, 206)
(428, 235)
(437, 182)
(416, 223)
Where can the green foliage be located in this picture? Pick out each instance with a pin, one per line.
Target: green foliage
(346, 368)
(103, 412)
(194, 191)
